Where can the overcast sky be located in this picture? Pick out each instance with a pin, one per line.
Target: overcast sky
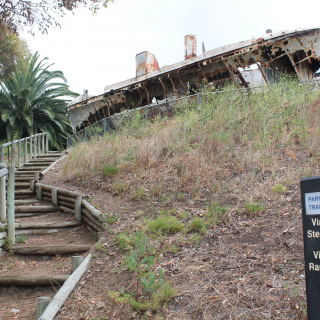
(95, 51)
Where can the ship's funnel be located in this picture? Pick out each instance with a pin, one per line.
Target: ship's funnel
(190, 46)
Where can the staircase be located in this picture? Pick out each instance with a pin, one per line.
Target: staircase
(46, 239)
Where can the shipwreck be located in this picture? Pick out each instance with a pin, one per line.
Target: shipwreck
(249, 63)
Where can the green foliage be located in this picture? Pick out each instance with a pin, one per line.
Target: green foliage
(100, 247)
(122, 241)
(14, 52)
(140, 261)
(22, 239)
(166, 224)
(119, 301)
(140, 194)
(254, 209)
(109, 171)
(279, 188)
(112, 218)
(33, 101)
(119, 187)
(215, 213)
(197, 225)
(8, 244)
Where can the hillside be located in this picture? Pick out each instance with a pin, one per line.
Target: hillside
(216, 190)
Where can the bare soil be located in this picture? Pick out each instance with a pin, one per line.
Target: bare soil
(246, 267)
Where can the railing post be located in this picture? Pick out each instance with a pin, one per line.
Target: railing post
(19, 154)
(25, 150)
(43, 150)
(30, 148)
(3, 216)
(35, 146)
(13, 160)
(11, 227)
(47, 142)
(77, 209)
(39, 144)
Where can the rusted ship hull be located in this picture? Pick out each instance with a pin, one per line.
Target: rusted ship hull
(291, 51)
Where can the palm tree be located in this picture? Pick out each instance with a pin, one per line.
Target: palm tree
(34, 101)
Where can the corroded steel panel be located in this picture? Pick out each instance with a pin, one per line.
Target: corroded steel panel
(291, 51)
(146, 62)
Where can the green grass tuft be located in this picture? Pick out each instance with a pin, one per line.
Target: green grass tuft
(166, 224)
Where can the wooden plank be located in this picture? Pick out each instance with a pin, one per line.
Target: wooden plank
(49, 250)
(47, 280)
(40, 225)
(37, 231)
(4, 172)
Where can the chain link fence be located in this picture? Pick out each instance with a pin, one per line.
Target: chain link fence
(158, 110)
(149, 113)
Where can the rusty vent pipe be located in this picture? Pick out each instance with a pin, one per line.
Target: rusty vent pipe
(190, 46)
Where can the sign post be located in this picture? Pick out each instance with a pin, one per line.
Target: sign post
(310, 198)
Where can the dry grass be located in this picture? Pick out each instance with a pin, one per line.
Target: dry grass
(232, 144)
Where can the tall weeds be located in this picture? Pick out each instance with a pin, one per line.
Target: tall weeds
(221, 144)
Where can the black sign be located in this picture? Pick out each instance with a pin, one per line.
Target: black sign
(310, 198)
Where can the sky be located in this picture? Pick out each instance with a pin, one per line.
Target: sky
(98, 50)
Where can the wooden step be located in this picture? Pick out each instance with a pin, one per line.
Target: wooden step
(24, 178)
(21, 185)
(31, 169)
(50, 155)
(30, 214)
(23, 202)
(32, 280)
(36, 231)
(37, 164)
(26, 173)
(49, 250)
(42, 160)
(23, 194)
(33, 209)
(50, 225)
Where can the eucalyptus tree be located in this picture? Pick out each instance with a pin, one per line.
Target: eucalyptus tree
(34, 101)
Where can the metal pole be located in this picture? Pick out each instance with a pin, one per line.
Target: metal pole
(13, 160)
(199, 98)
(19, 154)
(85, 134)
(47, 142)
(104, 125)
(30, 149)
(11, 228)
(25, 150)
